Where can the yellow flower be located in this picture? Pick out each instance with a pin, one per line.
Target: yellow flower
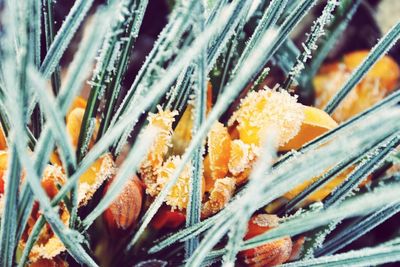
(219, 144)
(148, 171)
(100, 171)
(242, 157)
(267, 108)
(48, 246)
(178, 196)
(377, 83)
(220, 195)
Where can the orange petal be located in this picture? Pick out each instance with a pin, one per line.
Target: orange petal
(178, 196)
(209, 181)
(52, 178)
(209, 96)
(3, 168)
(318, 195)
(48, 245)
(315, 123)
(163, 121)
(55, 159)
(241, 159)
(377, 83)
(329, 67)
(74, 121)
(3, 160)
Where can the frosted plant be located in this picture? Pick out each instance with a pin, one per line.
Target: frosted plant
(204, 145)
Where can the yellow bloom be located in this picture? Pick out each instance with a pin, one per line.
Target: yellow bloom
(100, 171)
(148, 171)
(267, 108)
(220, 195)
(377, 83)
(178, 196)
(219, 143)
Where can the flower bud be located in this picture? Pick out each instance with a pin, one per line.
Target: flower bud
(270, 254)
(123, 213)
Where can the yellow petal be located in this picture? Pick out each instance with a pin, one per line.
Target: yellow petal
(93, 178)
(79, 102)
(315, 123)
(219, 144)
(321, 193)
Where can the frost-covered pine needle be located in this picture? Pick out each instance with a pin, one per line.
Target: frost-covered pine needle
(358, 206)
(356, 258)
(195, 182)
(317, 31)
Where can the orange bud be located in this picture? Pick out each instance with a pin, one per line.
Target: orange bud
(297, 248)
(270, 254)
(123, 213)
(261, 223)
